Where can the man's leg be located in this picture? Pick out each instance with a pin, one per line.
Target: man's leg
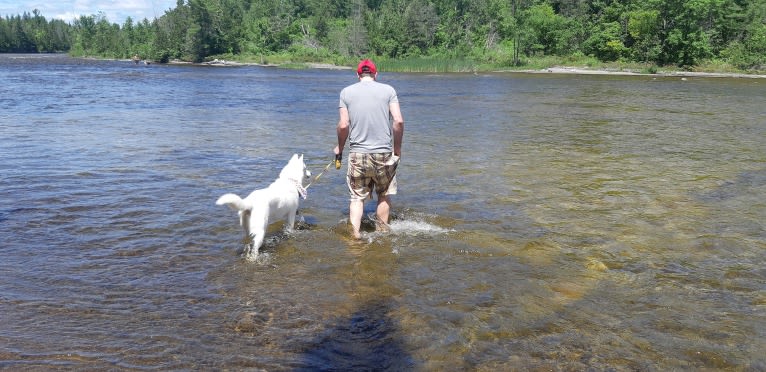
(356, 210)
(384, 207)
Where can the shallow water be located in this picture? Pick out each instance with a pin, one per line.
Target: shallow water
(543, 222)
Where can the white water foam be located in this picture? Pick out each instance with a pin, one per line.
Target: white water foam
(412, 227)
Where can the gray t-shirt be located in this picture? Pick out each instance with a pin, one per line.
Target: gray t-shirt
(367, 104)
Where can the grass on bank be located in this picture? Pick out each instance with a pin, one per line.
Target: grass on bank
(467, 64)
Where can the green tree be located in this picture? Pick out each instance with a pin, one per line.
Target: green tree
(85, 31)
(681, 32)
(605, 42)
(684, 39)
(385, 27)
(643, 35)
(170, 33)
(420, 20)
(549, 33)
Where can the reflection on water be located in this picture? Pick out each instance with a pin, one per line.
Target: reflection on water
(543, 222)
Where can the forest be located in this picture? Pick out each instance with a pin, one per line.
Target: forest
(497, 33)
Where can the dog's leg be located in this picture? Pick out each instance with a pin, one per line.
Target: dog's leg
(244, 220)
(290, 226)
(248, 247)
(255, 246)
(257, 228)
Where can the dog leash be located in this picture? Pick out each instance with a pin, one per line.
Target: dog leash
(337, 166)
(319, 175)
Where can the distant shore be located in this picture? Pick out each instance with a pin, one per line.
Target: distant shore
(549, 70)
(585, 71)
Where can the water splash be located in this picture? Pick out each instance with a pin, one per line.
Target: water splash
(411, 227)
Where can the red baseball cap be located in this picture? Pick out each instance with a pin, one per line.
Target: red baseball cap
(366, 66)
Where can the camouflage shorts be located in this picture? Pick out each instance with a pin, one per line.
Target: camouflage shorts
(366, 171)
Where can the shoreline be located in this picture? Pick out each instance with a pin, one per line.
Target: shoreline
(585, 71)
(550, 70)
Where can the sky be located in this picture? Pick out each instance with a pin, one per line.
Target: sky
(116, 11)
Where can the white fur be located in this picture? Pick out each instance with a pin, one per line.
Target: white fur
(278, 201)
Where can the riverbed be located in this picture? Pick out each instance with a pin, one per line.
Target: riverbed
(543, 221)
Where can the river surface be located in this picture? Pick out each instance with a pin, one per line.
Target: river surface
(543, 222)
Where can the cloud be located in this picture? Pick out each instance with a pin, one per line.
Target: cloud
(69, 10)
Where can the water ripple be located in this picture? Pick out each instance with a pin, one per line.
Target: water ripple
(543, 222)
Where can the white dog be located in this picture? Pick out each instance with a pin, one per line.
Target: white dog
(278, 201)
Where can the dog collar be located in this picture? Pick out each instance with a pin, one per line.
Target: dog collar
(302, 192)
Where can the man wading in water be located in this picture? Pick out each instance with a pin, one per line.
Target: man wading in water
(372, 123)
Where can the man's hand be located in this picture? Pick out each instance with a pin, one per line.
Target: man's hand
(338, 157)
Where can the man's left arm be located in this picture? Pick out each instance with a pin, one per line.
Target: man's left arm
(398, 126)
(342, 130)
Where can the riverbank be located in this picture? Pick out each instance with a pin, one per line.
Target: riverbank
(548, 70)
(586, 71)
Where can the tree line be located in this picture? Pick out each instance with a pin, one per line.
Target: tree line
(32, 33)
(500, 32)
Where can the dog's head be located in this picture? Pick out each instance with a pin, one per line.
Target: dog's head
(295, 169)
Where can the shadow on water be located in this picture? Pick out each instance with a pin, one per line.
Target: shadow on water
(366, 340)
(367, 337)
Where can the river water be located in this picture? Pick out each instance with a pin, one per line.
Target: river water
(545, 222)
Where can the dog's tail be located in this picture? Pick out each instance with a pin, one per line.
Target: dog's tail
(233, 201)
